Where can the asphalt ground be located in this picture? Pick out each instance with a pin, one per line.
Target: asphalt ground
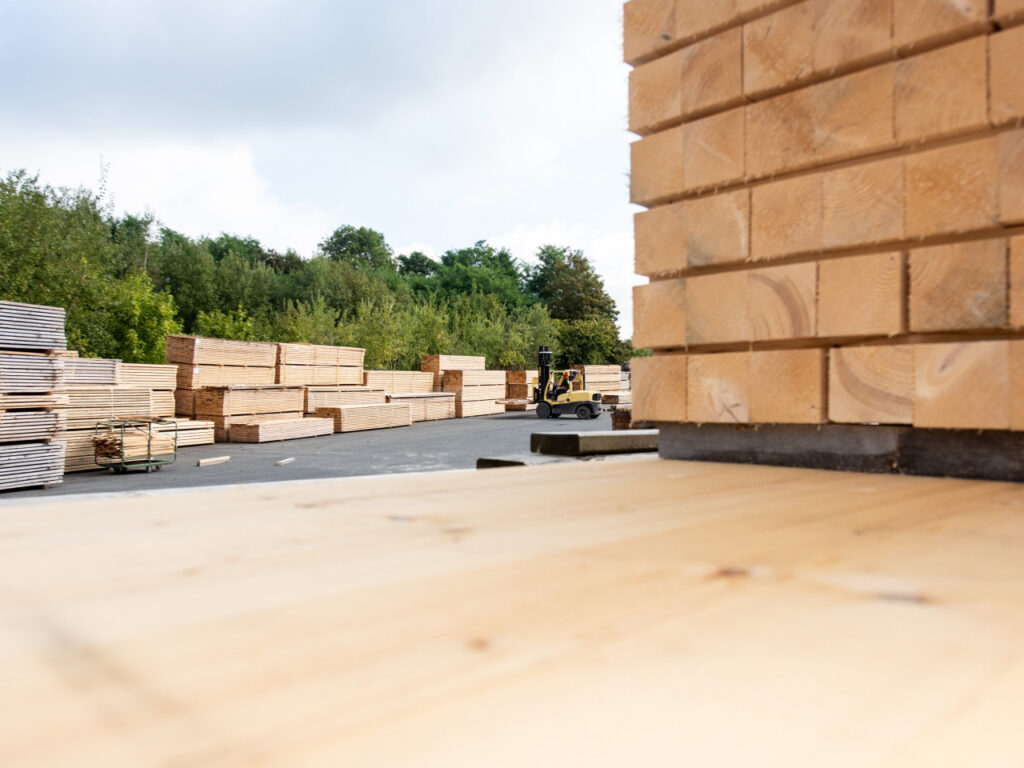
(423, 447)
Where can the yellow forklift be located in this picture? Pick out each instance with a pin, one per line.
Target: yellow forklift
(555, 394)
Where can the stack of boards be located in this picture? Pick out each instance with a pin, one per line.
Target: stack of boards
(478, 392)
(318, 365)
(420, 390)
(602, 378)
(32, 409)
(835, 196)
(248, 405)
(519, 390)
(219, 362)
(427, 406)
(359, 418)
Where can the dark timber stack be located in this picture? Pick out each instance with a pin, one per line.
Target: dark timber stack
(835, 229)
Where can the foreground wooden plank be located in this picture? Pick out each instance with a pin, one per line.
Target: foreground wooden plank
(660, 613)
(594, 443)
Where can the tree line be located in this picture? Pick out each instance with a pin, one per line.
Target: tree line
(127, 284)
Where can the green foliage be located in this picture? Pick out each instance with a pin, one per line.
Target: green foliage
(125, 288)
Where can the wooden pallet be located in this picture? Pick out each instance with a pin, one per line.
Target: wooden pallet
(151, 376)
(333, 397)
(194, 350)
(26, 465)
(318, 375)
(317, 354)
(439, 363)
(242, 400)
(400, 382)
(287, 429)
(31, 327)
(92, 372)
(427, 406)
(24, 372)
(200, 376)
(31, 426)
(359, 418)
(468, 408)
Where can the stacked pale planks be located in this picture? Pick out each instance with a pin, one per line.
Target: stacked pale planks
(32, 409)
(359, 418)
(835, 194)
(335, 397)
(319, 365)
(519, 390)
(400, 382)
(281, 429)
(228, 407)
(478, 392)
(92, 372)
(603, 378)
(204, 362)
(427, 406)
(160, 377)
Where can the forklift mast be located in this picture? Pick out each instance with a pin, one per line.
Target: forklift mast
(543, 373)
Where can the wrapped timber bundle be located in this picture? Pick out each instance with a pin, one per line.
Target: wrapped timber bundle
(603, 378)
(427, 406)
(282, 429)
(316, 364)
(359, 418)
(477, 392)
(400, 382)
(33, 350)
(232, 405)
(31, 327)
(161, 377)
(328, 397)
(831, 233)
(91, 372)
(519, 390)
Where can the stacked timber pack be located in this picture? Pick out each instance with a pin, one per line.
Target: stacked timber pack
(606, 379)
(477, 392)
(249, 405)
(519, 390)
(319, 365)
(835, 195)
(218, 363)
(32, 408)
(419, 390)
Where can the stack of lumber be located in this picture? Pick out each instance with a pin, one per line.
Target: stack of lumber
(602, 378)
(189, 432)
(519, 390)
(428, 406)
(282, 429)
(161, 377)
(31, 327)
(319, 365)
(834, 194)
(400, 382)
(358, 418)
(438, 364)
(92, 372)
(334, 397)
(617, 398)
(477, 392)
(81, 455)
(204, 362)
(137, 442)
(230, 406)
(32, 409)
(87, 406)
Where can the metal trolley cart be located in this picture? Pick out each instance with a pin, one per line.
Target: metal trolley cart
(124, 446)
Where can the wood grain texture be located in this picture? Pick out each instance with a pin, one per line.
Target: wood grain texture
(919, 22)
(961, 286)
(714, 150)
(716, 308)
(718, 388)
(943, 92)
(787, 386)
(953, 189)
(786, 217)
(862, 295)
(871, 384)
(1011, 177)
(1017, 281)
(656, 93)
(782, 302)
(1017, 385)
(863, 204)
(660, 240)
(850, 32)
(659, 314)
(712, 72)
(649, 26)
(1009, 10)
(718, 228)
(1006, 78)
(778, 49)
(659, 388)
(962, 385)
(656, 166)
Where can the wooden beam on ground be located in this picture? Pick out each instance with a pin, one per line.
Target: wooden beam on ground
(592, 443)
(213, 460)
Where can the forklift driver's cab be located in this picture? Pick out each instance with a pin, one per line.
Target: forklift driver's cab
(555, 395)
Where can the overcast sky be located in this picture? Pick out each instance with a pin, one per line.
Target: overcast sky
(436, 122)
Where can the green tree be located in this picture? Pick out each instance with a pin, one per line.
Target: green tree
(567, 283)
(233, 324)
(480, 269)
(361, 247)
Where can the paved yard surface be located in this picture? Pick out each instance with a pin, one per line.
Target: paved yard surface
(423, 447)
